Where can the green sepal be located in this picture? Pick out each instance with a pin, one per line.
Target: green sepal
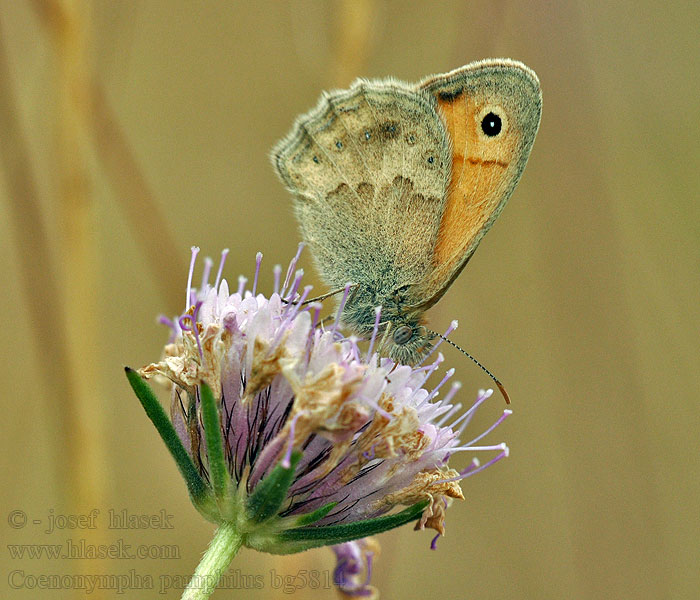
(269, 495)
(303, 538)
(218, 470)
(197, 487)
(316, 515)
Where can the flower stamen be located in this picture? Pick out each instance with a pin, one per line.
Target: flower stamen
(188, 299)
(375, 329)
(286, 460)
(341, 306)
(291, 269)
(208, 263)
(453, 325)
(506, 413)
(258, 262)
(193, 329)
(222, 261)
(436, 389)
(276, 273)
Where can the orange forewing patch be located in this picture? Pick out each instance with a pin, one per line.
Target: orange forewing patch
(475, 184)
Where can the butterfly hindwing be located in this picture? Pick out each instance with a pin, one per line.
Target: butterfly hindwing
(369, 168)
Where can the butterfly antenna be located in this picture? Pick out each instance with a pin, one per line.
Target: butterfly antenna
(478, 364)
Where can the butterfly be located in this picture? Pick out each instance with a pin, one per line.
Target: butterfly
(395, 185)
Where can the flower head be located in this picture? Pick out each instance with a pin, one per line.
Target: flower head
(298, 436)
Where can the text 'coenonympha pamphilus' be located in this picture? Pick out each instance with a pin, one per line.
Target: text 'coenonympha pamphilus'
(395, 185)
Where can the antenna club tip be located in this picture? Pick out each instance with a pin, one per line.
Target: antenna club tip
(503, 392)
(454, 324)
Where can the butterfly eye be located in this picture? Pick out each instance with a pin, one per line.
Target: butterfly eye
(403, 334)
(491, 124)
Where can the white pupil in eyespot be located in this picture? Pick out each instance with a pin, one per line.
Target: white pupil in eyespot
(491, 124)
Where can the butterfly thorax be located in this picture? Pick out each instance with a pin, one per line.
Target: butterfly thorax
(401, 334)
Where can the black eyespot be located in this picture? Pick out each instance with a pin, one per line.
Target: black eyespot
(316, 159)
(339, 145)
(367, 135)
(403, 334)
(491, 124)
(431, 160)
(389, 130)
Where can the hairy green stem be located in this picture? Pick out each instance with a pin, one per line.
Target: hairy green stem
(223, 547)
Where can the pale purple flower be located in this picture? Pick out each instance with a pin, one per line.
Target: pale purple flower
(353, 570)
(362, 434)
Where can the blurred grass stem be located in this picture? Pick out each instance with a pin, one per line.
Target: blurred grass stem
(147, 221)
(78, 253)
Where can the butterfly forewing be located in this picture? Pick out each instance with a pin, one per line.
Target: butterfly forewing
(491, 111)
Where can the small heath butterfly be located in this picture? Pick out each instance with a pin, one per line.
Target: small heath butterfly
(395, 184)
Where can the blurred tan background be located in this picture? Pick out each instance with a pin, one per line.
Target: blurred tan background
(130, 131)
